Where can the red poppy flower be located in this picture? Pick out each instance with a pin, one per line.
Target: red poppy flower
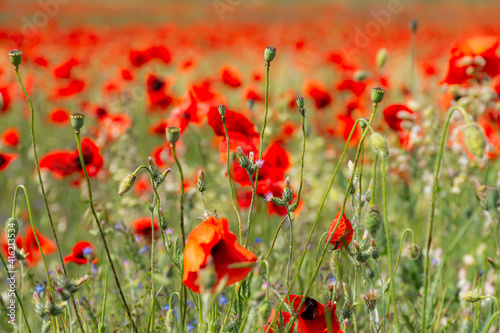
(4, 99)
(5, 245)
(344, 231)
(189, 111)
(126, 75)
(64, 163)
(236, 123)
(156, 92)
(78, 254)
(59, 116)
(31, 246)
(5, 160)
(202, 91)
(472, 56)
(142, 227)
(318, 93)
(10, 137)
(139, 58)
(213, 238)
(345, 123)
(116, 124)
(395, 114)
(311, 316)
(63, 71)
(41, 61)
(230, 76)
(74, 87)
(356, 87)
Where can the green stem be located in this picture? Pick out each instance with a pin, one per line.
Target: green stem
(487, 329)
(290, 252)
(372, 198)
(401, 247)
(42, 187)
(102, 325)
(230, 181)
(430, 226)
(98, 223)
(261, 146)
(302, 157)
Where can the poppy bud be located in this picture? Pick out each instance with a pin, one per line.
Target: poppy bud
(414, 251)
(265, 310)
(363, 123)
(495, 265)
(379, 143)
(300, 102)
(127, 184)
(170, 320)
(77, 121)
(16, 57)
(377, 95)
(381, 58)
(201, 184)
(413, 25)
(222, 110)
(12, 223)
(474, 139)
(361, 75)
(373, 220)
(470, 296)
(173, 134)
(269, 53)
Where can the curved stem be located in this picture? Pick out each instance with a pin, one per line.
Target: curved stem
(388, 239)
(254, 191)
(98, 223)
(487, 329)
(430, 226)
(42, 187)
(401, 247)
(230, 181)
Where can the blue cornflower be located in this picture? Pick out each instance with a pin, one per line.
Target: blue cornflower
(39, 289)
(223, 300)
(87, 251)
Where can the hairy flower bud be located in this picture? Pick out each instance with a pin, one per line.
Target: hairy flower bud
(381, 58)
(373, 220)
(127, 184)
(470, 296)
(12, 224)
(170, 320)
(474, 139)
(414, 251)
(265, 310)
(379, 143)
(201, 183)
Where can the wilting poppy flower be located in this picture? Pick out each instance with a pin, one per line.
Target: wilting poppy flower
(59, 116)
(31, 246)
(312, 316)
(80, 254)
(318, 93)
(344, 231)
(142, 227)
(230, 76)
(10, 137)
(63, 71)
(5, 160)
(213, 238)
(64, 163)
(74, 87)
(395, 114)
(472, 56)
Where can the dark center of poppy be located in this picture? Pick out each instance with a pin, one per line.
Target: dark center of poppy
(3, 160)
(311, 305)
(155, 85)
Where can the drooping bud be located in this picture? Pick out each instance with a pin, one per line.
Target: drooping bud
(377, 95)
(16, 57)
(173, 134)
(265, 310)
(170, 320)
(12, 224)
(474, 139)
(127, 184)
(363, 123)
(414, 251)
(379, 143)
(201, 183)
(77, 121)
(381, 58)
(361, 75)
(470, 296)
(373, 220)
(287, 191)
(269, 53)
(222, 110)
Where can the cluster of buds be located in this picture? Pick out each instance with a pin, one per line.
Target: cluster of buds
(248, 162)
(300, 104)
(65, 287)
(286, 196)
(361, 250)
(49, 308)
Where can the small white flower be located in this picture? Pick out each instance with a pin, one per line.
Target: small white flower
(259, 163)
(268, 196)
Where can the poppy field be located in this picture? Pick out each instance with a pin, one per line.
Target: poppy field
(234, 166)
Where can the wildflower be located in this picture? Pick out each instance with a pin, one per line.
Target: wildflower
(39, 289)
(470, 296)
(142, 227)
(212, 238)
(344, 231)
(10, 137)
(222, 300)
(80, 254)
(5, 160)
(269, 196)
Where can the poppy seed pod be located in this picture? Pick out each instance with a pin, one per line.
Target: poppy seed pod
(127, 184)
(222, 110)
(377, 95)
(381, 58)
(12, 223)
(379, 143)
(470, 296)
(474, 139)
(373, 220)
(77, 121)
(173, 134)
(269, 53)
(16, 57)
(300, 102)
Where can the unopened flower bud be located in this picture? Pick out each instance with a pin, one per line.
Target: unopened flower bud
(170, 320)
(201, 183)
(12, 224)
(127, 184)
(77, 121)
(474, 139)
(373, 220)
(363, 123)
(173, 134)
(269, 53)
(265, 310)
(222, 110)
(287, 191)
(379, 143)
(381, 58)
(361, 75)
(377, 95)
(470, 296)
(414, 251)
(16, 57)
